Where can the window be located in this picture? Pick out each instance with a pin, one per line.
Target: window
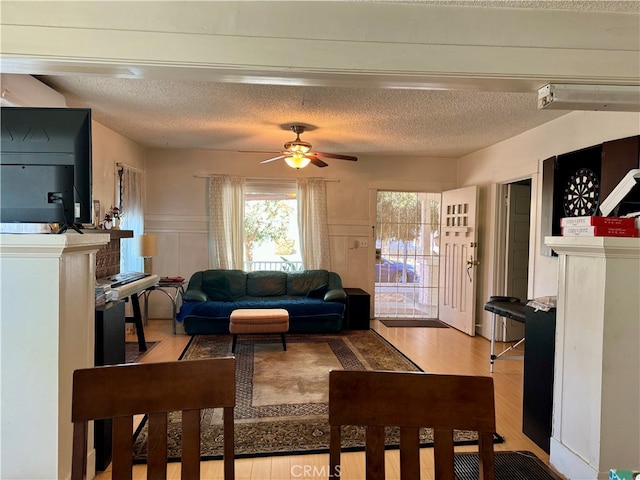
(130, 198)
(271, 226)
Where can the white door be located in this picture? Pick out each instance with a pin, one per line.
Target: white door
(458, 258)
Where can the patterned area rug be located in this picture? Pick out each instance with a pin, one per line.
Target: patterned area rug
(281, 401)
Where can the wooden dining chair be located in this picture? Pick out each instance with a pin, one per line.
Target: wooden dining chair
(411, 400)
(121, 391)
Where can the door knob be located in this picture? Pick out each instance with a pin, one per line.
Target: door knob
(470, 264)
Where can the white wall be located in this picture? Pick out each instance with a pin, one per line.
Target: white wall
(110, 148)
(521, 157)
(176, 202)
(176, 198)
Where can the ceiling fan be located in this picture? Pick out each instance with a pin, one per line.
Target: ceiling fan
(298, 154)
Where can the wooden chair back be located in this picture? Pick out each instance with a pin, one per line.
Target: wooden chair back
(121, 391)
(411, 400)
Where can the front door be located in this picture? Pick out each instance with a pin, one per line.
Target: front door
(406, 269)
(458, 258)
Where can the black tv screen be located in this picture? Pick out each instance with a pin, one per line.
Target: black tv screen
(45, 165)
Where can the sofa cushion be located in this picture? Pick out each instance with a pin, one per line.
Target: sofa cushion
(301, 283)
(237, 280)
(266, 284)
(297, 307)
(217, 289)
(319, 291)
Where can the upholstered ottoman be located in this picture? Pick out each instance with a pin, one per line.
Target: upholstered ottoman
(258, 320)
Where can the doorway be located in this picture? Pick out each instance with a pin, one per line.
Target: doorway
(515, 261)
(407, 255)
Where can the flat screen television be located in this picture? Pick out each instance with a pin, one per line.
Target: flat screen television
(45, 165)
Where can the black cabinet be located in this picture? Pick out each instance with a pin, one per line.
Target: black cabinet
(593, 172)
(109, 350)
(537, 396)
(110, 334)
(358, 309)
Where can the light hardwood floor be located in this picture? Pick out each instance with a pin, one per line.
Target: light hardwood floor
(435, 350)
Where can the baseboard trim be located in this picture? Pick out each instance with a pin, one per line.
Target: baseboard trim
(571, 465)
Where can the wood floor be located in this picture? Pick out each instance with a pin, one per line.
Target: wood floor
(435, 350)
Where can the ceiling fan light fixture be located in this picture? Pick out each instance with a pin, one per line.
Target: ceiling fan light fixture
(297, 146)
(297, 161)
(298, 154)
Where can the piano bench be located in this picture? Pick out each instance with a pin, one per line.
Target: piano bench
(506, 307)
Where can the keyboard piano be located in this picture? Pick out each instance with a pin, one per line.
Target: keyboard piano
(135, 287)
(124, 285)
(122, 278)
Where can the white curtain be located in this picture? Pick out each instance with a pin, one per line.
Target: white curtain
(226, 222)
(131, 201)
(313, 224)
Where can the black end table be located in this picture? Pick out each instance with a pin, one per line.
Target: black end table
(358, 309)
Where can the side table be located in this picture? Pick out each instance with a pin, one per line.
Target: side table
(358, 308)
(172, 289)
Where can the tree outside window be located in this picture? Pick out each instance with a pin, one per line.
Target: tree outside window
(271, 234)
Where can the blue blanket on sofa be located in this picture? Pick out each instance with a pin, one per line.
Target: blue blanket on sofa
(297, 307)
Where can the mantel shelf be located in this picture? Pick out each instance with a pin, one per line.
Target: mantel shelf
(115, 234)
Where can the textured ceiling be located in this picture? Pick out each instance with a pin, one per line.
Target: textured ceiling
(223, 116)
(348, 120)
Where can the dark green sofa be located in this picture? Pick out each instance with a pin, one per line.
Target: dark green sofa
(314, 299)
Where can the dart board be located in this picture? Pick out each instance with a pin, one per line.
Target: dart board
(575, 183)
(581, 193)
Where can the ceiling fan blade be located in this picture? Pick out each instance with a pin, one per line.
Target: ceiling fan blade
(257, 151)
(272, 159)
(316, 161)
(336, 156)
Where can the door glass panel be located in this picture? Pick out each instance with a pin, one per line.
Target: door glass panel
(407, 249)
